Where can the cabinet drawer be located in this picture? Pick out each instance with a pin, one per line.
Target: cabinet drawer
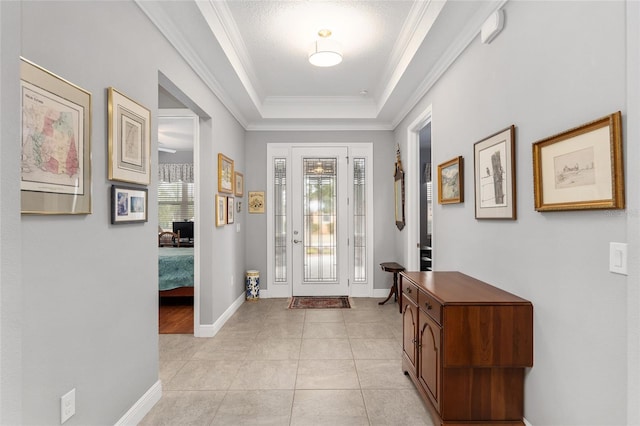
(410, 290)
(430, 305)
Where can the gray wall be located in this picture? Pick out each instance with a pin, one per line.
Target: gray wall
(90, 288)
(384, 222)
(10, 242)
(555, 66)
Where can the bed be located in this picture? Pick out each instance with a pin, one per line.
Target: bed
(175, 270)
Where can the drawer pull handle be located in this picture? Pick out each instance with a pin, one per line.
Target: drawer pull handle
(409, 290)
(428, 306)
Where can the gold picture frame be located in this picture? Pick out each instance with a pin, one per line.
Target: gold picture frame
(221, 210)
(581, 168)
(129, 139)
(256, 201)
(451, 181)
(56, 143)
(225, 174)
(239, 184)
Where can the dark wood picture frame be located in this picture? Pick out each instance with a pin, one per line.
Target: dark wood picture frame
(494, 175)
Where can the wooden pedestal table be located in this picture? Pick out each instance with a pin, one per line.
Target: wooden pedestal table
(395, 268)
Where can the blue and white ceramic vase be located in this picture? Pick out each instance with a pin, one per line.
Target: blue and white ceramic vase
(252, 282)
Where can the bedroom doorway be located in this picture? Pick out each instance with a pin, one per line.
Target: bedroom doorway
(178, 134)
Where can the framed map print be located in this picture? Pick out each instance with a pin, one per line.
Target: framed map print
(129, 139)
(55, 161)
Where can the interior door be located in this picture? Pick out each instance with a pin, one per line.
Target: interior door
(320, 221)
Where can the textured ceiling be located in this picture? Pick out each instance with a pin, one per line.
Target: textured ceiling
(253, 55)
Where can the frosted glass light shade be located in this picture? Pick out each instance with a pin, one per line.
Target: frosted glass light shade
(325, 53)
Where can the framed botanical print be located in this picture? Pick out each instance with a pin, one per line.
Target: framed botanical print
(225, 174)
(56, 144)
(239, 184)
(221, 210)
(129, 139)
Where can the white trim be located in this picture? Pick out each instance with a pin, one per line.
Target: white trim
(283, 150)
(526, 422)
(186, 112)
(210, 330)
(142, 406)
(412, 190)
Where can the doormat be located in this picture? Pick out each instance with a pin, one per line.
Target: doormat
(306, 302)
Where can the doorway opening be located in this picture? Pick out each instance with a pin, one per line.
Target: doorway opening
(178, 136)
(415, 205)
(426, 200)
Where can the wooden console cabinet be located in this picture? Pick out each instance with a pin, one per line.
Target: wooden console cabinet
(466, 345)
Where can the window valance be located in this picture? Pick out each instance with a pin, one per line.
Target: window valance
(168, 172)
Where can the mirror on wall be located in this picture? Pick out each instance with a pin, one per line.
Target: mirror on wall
(399, 194)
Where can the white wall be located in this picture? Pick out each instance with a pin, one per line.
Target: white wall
(384, 222)
(90, 288)
(555, 66)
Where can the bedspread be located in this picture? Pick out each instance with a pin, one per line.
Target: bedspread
(175, 267)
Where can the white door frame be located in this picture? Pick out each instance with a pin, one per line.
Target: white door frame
(283, 150)
(187, 113)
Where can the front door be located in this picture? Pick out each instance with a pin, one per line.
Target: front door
(320, 221)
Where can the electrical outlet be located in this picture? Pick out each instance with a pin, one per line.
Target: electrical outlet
(67, 405)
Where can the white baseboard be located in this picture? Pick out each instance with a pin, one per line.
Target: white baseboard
(140, 409)
(377, 293)
(527, 422)
(210, 330)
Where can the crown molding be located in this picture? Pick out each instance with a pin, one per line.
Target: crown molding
(166, 26)
(419, 22)
(466, 37)
(224, 28)
(319, 126)
(321, 107)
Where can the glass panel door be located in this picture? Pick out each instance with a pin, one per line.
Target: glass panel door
(320, 237)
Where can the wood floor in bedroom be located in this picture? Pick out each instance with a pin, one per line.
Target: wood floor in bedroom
(176, 315)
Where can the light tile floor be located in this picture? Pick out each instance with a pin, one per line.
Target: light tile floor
(270, 365)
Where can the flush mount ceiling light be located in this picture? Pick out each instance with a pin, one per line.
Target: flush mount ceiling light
(325, 52)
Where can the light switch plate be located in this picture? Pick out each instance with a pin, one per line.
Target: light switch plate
(618, 258)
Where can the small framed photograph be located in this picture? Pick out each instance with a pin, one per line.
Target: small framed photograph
(450, 181)
(128, 205)
(129, 139)
(230, 209)
(580, 169)
(55, 169)
(494, 175)
(239, 184)
(225, 174)
(221, 210)
(256, 201)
